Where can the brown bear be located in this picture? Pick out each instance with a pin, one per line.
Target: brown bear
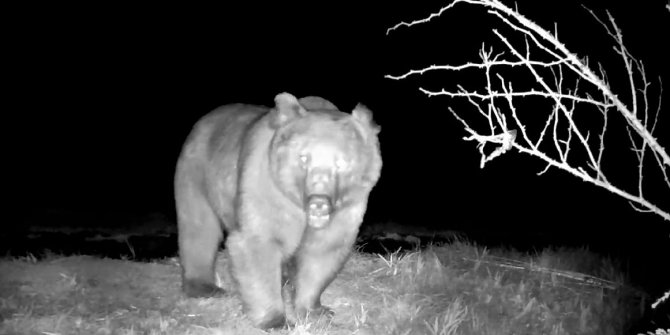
(289, 185)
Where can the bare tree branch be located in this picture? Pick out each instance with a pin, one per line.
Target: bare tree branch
(563, 141)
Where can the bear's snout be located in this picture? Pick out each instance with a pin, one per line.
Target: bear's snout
(320, 181)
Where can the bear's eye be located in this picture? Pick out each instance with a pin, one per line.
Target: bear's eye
(341, 164)
(304, 160)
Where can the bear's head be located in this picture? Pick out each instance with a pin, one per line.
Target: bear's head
(320, 158)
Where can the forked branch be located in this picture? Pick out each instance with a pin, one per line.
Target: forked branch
(568, 87)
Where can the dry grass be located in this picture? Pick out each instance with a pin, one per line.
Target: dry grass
(461, 289)
(452, 289)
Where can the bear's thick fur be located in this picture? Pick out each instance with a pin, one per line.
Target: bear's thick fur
(289, 185)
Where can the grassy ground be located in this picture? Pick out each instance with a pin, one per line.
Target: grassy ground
(452, 289)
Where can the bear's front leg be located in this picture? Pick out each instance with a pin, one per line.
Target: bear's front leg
(256, 267)
(318, 261)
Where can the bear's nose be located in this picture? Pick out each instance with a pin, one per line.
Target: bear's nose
(321, 178)
(320, 175)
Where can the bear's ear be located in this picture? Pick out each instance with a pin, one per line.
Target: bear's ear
(286, 109)
(363, 116)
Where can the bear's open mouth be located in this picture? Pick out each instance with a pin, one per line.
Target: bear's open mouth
(318, 211)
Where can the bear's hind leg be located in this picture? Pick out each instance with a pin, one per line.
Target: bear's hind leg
(199, 237)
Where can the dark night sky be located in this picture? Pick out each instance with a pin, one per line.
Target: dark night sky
(103, 97)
